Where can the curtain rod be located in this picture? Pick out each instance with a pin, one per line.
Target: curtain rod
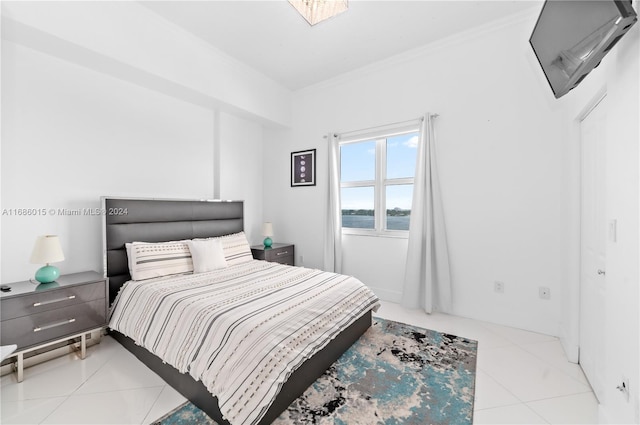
(420, 119)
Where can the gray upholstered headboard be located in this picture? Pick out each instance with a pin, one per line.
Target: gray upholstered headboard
(160, 220)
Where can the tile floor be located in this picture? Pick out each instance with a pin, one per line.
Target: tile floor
(522, 377)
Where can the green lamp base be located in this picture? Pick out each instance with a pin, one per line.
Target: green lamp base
(46, 286)
(47, 274)
(267, 242)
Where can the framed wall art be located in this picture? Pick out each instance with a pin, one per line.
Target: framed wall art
(303, 168)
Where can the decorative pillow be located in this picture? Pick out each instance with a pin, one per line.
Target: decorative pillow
(207, 255)
(147, 260)
(236, 248)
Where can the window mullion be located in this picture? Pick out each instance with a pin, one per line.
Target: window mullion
(391, 182)
(381, 160)
(364, 183)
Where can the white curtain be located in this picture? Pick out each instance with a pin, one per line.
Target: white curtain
(333, 224)
(427, 281)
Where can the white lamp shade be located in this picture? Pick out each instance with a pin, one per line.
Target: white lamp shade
(267, 229)
(47, 250)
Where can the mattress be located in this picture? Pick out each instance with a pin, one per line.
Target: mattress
(241, 330)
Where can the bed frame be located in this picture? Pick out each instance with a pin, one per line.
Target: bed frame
(161, 220)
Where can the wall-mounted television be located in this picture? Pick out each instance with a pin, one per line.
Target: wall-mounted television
(572, 36)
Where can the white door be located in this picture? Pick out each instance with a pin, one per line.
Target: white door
(593, 246)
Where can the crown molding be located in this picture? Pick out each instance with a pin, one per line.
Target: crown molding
(528, 15)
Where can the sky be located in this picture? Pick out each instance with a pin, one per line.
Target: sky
(357, 163)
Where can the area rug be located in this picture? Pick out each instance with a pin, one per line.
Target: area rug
(394, 374)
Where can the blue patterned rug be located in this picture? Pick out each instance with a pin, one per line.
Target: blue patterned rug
(394, 374)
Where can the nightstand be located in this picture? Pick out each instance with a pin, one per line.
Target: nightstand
(35, 315)
(278, 253)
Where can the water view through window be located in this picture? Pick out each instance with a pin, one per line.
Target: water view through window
(362, 220)
(361, 179)
(357, 207)
(399, 197)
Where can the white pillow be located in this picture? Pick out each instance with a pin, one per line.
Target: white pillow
(147, 260)
(207, 255)
(236, 248)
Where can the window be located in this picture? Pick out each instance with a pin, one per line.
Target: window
(376, 183)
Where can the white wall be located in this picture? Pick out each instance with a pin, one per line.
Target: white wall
(71, 135)
(241, 169)
(128, 39)
(86, 114)
(502, 165)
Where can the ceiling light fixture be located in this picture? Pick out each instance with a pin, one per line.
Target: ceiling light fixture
(315, 11)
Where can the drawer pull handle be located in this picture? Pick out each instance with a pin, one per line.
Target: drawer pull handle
(53, 325)
(59, 300)
(282, 253)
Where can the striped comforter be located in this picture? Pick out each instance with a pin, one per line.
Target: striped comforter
(241, 330)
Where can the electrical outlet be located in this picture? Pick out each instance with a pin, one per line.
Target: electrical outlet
(498, 287)
(544, 293)
(301, 260)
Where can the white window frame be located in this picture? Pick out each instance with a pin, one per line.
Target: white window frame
(379, 183)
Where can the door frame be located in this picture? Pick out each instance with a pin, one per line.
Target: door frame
(588, 277)
(570, 328)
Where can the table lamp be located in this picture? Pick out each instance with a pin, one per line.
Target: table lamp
(47, 250)
(267, 230)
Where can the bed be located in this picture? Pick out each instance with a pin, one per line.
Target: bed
(157, 221)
